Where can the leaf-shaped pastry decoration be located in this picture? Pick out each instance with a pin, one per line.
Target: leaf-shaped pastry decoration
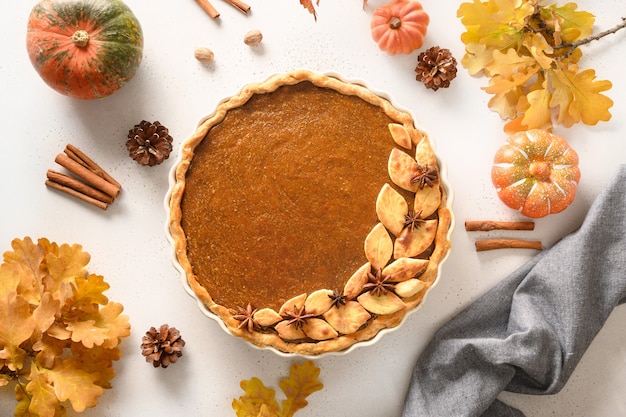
(266, 317)
(318, 329)
(292, 304)
(391, 209)
(427, 200)
(409, 287)
(318, 302)
(388, 303)
(411, 243)
(289, 332)
(347, 318)
(355, 284)
(402, 169)
(378, 246)
(400, 135)
(404, 268)
(424, 153)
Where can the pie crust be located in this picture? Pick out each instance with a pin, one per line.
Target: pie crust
(406, 243)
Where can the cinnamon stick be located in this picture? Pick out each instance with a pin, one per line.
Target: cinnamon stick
(78, 186)
(79, 156)
(487, 225)
(90, 177)
(240, 5)
(491, 244)
(74, 193)
(208, 8)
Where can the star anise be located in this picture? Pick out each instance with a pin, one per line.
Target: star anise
(298, 316)
(413, 220)
(338, 298)
(246, 317)
(377, 283)
(425, 176)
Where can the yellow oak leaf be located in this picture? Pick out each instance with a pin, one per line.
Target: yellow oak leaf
(25, 252)
(488, 24)
(43, 401)
(577, 95)
(510, 63)
(256, 396)
(87, 333)
(302, 382)
(574, 24)
(48, 349)
(265, 411)
(116, 324)
(97, 360)
(73, 384)
(506, 93)
(10, 277)
(477, 57)
(45, 313)
(25, 260)
(16, 326)
(514, 12)
(538, 114)
(64, 268)
(539, 49)
(89, 290)
(105, 327)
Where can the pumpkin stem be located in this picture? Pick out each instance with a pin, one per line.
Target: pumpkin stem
(80, 38)
(395, 22)
(540, 170)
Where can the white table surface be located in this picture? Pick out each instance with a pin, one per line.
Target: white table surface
(127, 242)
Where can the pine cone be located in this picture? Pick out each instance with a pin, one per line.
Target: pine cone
(162, 347)
(149, 143)
(436, 67)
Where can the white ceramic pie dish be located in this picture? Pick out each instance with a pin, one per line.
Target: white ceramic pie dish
(207, 312)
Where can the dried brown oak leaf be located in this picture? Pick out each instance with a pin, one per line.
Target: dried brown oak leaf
(162, 347)
(436, 67)
(149, 143)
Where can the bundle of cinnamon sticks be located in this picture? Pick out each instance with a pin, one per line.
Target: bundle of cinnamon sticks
(89, 182)
(214, 14)
(491, 244)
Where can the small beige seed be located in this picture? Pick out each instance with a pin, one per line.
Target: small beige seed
(204, 54)
(253, 38)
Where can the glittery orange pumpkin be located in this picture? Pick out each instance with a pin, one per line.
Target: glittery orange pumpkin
(536, 172)
(399, 27)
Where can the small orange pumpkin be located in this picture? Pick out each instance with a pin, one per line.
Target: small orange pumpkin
(536, 172)
(399, 27)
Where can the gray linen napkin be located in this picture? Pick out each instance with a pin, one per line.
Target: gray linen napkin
(528, 333)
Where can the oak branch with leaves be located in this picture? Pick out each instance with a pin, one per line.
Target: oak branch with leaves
(530, 53)
(59, 333)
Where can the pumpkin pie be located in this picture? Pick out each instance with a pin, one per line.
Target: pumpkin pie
(308, 213)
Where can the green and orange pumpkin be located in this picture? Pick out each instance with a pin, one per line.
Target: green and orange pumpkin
(85, 49)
